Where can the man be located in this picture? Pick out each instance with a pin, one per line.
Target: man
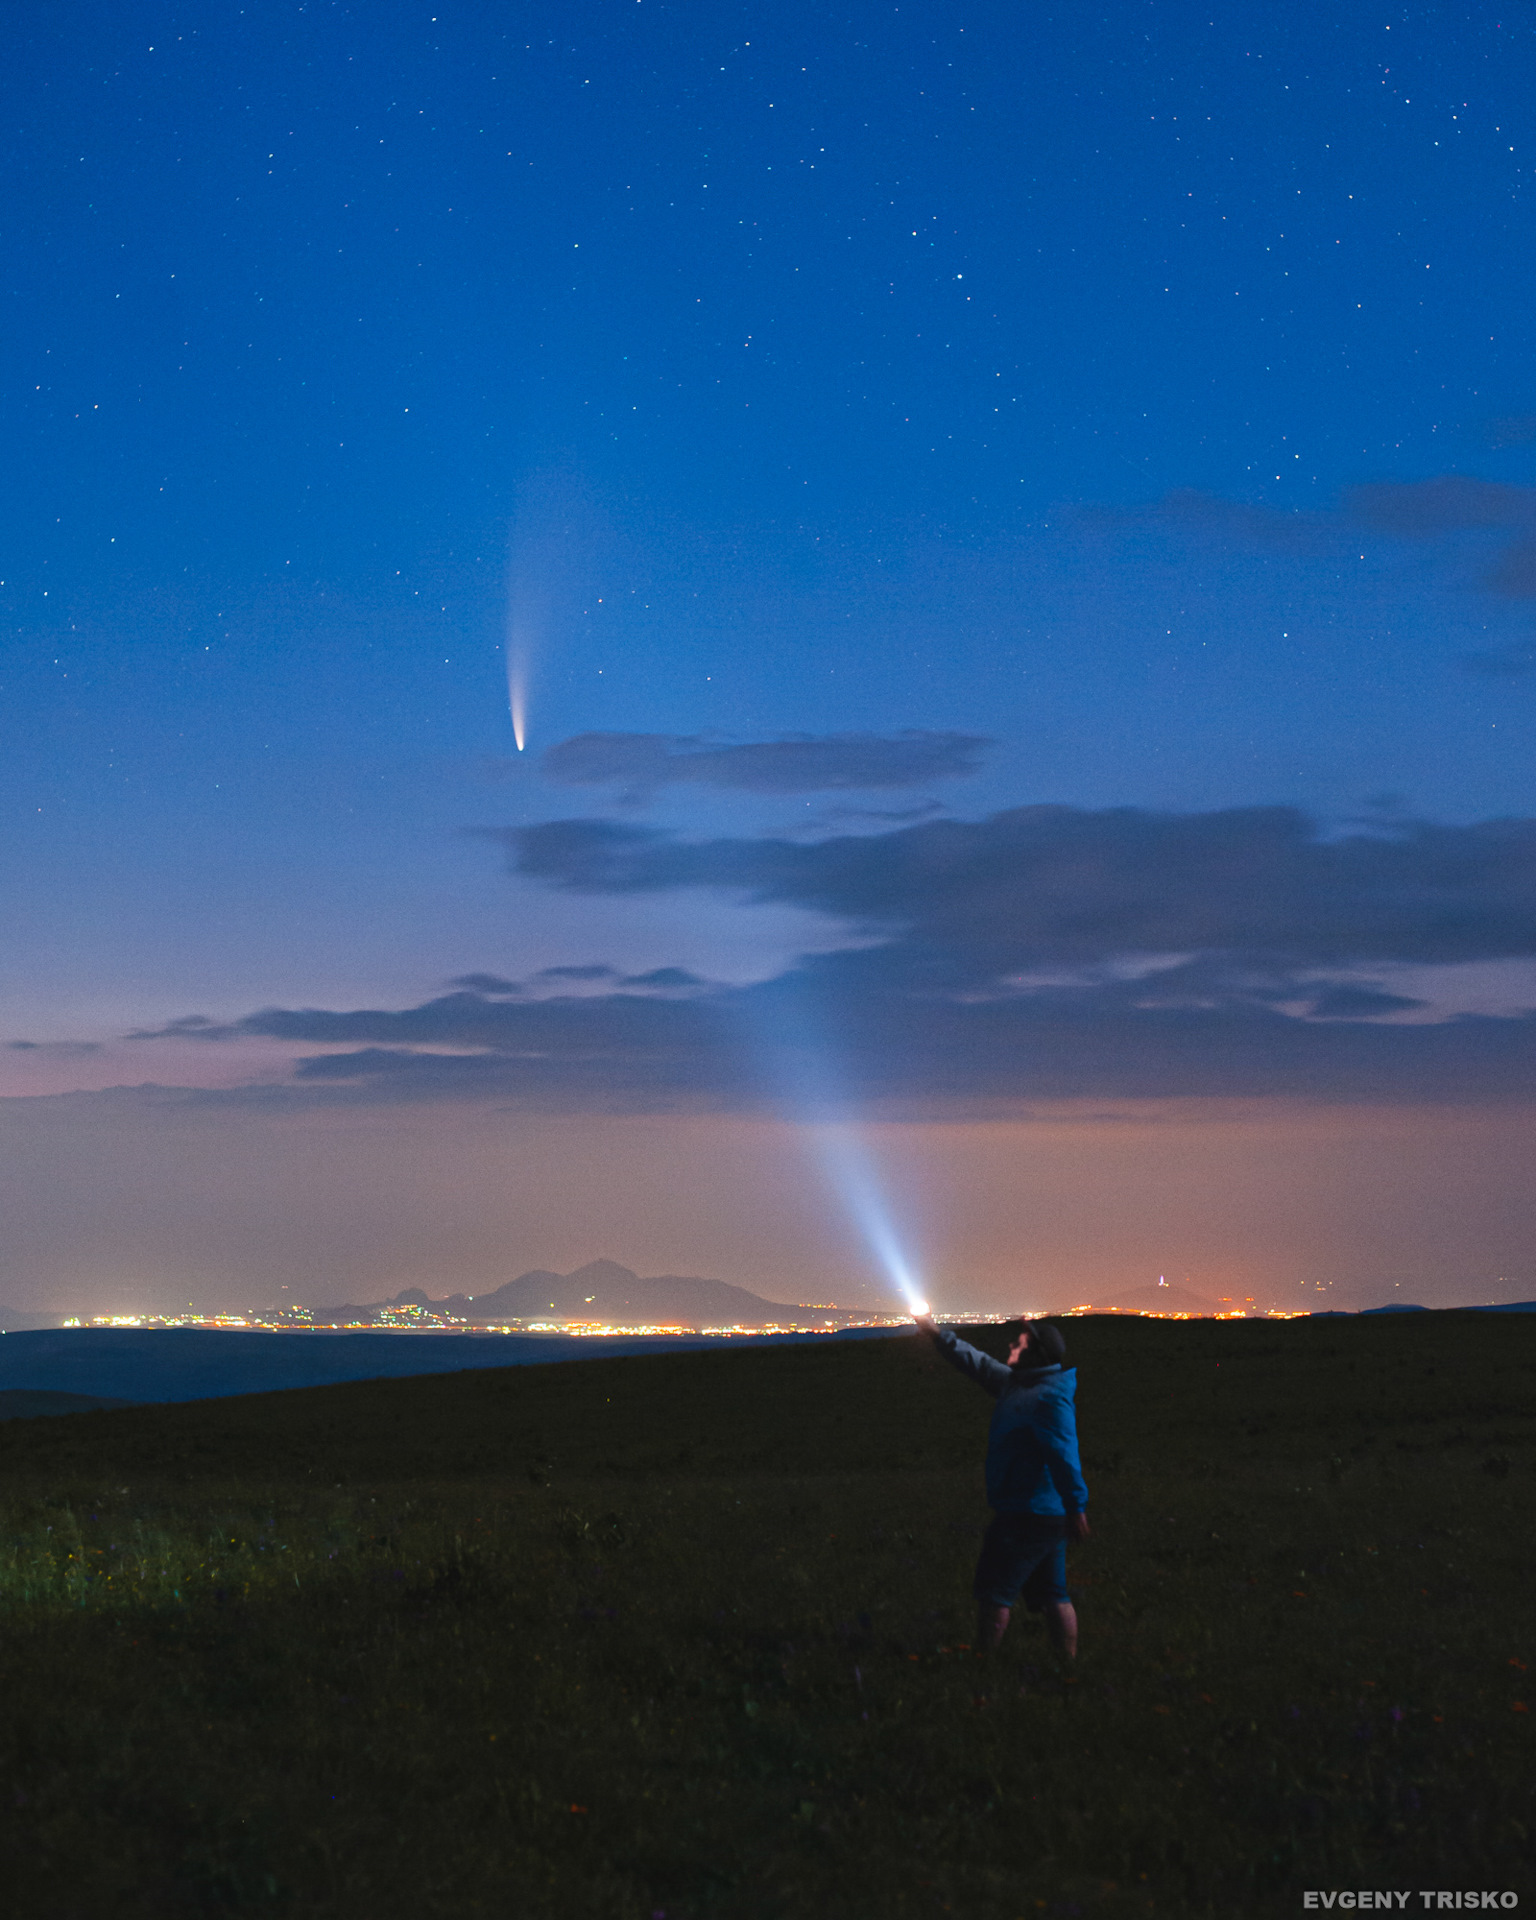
(1035, 1481)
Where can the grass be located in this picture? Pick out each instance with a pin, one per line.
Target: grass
(685, 1635)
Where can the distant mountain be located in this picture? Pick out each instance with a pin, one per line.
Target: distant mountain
(1507, 1306)
(602, 1291)
(1156, 1300)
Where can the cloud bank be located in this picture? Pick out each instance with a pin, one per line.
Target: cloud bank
(1445, 507)
(644, 762)
(1045, 885)
(1432, 509)
(1043, 953)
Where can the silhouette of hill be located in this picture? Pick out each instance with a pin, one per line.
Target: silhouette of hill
(601, 1291)
(1163, 1299)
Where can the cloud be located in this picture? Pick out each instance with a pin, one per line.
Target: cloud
(1431, 509)
(1042, 886)
(1514, 573)
(622, 1051)
(1511, 430)
(761, 1049)
(643, 762)
(192, 1026)
(1457, 503)
(66, 1047)
(1505, 663)
(1360, 1003)
(1046, 952)
(887, 816)
(490, 984)
(1448, 503)
(666, 980)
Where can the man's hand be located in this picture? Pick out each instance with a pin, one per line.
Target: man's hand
(926, 1321)
(1077, 1526)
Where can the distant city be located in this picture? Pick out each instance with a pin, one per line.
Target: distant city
(606, 1299)
(409, 1319)
(597, 1300)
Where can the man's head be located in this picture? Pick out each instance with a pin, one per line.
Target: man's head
(1035, 1343)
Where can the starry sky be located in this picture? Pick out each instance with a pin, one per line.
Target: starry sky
(1008, 535)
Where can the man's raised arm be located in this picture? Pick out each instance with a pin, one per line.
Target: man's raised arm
(971, 1361)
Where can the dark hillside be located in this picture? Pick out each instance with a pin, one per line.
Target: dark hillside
(1208, 1389)
(23, 1403)
(686, 1634)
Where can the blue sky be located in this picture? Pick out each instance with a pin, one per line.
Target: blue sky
(893, 443)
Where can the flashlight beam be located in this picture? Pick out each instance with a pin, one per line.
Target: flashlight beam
(848, 1167)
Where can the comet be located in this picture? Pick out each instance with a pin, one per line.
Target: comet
(517, 699)
(519, 659)
(549, 540)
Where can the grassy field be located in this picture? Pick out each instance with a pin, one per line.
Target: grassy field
(684, 1636)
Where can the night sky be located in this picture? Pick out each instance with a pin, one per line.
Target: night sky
(1009, 534)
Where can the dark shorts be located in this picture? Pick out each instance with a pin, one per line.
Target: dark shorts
(1023, 1552)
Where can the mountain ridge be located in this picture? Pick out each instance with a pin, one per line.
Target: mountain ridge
(601, 1291)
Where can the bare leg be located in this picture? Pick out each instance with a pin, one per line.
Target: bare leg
(991, 1625)
(1061, 1620)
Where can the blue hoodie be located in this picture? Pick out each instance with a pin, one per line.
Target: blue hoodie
(1032, 1461)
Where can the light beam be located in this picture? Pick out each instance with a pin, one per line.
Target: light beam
(797, 1050)
(850, 1171)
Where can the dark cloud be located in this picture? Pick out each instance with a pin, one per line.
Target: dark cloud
(606, 856)
(379, 1060)
(1431, 509)
(1042, 953)
(644, 762)
(760, 1049)
(54, 1046)
(1046, 886)
(1457, 503)
(1505, 663)
(490, 984)
(622, 1051)
(1511, 430)
(1449, 503)
(1514, 572)
(192, 1026)
(666, 980)
(1360, 1003)
(886, 816)
(639, 1023)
